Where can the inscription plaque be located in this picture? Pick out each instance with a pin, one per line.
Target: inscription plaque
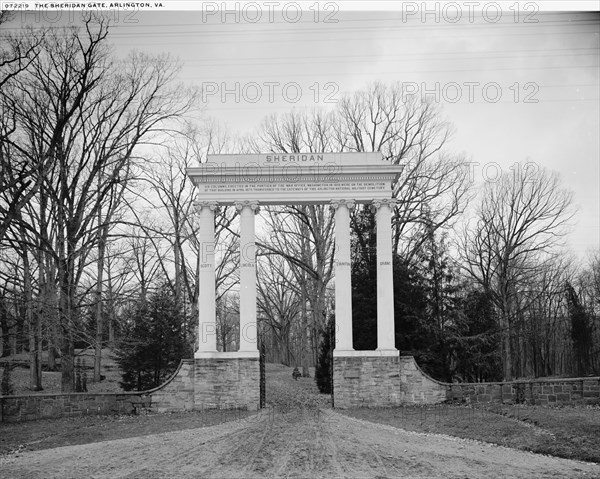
(300, 187)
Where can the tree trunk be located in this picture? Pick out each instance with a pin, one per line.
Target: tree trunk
(99, 317)
(4, 334)
(111, 310)
(67, 362)
(50, 312)
(508, 371)
(178, 267)
(40, 349)
(67, 297)
(13, 333)
(52, 350)
(34, 374)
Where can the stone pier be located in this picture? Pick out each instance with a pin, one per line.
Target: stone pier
(227, 381)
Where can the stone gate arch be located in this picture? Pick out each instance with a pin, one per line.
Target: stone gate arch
(248, 181)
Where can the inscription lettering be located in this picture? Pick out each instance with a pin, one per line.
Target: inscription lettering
(292, 158)
(303, 187)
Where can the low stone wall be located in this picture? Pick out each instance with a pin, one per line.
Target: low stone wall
(175, 394)
(538, 391)
(364, 379)
(226, 381)
(368, 380)
(43, 406)
(417, 387)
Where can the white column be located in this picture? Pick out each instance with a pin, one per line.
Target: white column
(248, 326)
(385, 276)
(207, 308)
(343, 285)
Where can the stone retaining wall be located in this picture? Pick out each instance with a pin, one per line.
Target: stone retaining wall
(221, 382)
(42, 406)
(417, 387)
(538, 391)
(375, 381)
(175, 394)
(359, 381)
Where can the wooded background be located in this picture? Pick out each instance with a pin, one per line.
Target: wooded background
(99, 237)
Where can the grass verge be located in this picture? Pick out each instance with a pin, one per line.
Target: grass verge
(50, 433)
(571, 432)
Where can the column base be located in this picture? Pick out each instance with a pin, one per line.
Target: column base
(227, 380)
(366, 379)
(382, 378)
(353, 353)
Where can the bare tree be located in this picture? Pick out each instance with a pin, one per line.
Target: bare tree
(519, 224)
(82, 116)
(433, 187)
(280, 304)
(587, 284)
(166, 194)
(143, 259)
(541, 322)
(17, 170)
(303, 234)
(17, 51)
(228, 321)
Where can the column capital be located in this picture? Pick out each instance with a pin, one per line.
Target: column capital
(212, 205)
(253, 205)
(350, 204)
(376, 204)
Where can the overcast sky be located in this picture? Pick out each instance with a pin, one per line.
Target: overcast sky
(516, 86)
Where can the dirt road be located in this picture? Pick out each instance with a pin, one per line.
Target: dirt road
(290, 444)
(290, 440)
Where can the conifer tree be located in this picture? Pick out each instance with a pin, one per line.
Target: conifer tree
(154, 341)
(581, 331)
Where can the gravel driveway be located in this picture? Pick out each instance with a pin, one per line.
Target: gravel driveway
(298, 436)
